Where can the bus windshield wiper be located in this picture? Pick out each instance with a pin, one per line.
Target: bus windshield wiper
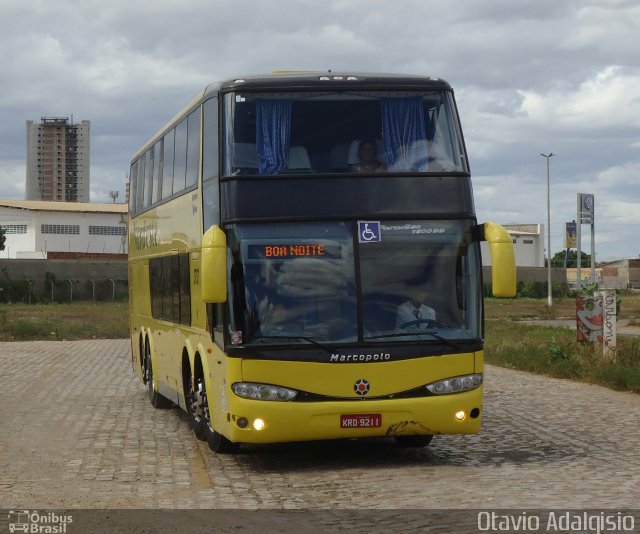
(431, 333)
(304, 338)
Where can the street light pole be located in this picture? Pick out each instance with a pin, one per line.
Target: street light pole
(549, 298)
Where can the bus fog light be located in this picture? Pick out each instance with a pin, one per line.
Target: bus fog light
(243, 422)
(461, 416)
(259, 424)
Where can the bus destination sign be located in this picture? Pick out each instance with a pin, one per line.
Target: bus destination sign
(293, 250)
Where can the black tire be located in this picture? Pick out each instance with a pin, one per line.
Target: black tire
(195, 408)
(217, 442)
(157, 400)
(414, 441)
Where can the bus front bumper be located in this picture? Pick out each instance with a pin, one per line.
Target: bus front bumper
(252, 421)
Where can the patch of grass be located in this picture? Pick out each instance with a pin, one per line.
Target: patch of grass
(529, 308)
(555, 352)
(562, 308)
(619, 377)
(69, 321)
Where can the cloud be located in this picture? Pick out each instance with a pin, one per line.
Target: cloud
(608, 102)
(12, 179)
(529, 77)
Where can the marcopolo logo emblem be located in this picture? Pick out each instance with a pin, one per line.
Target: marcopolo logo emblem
(361, 387)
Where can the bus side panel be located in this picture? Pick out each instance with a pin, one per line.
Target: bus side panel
(479, 362)
(221, 373)
(138, 311)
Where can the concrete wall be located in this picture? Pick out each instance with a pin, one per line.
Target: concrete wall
(532, 274)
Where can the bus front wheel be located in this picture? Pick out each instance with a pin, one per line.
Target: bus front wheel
(157, 400)
(413, 441)
(216, 441)
(219, 444)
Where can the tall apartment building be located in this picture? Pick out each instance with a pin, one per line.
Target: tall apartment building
(57, 160)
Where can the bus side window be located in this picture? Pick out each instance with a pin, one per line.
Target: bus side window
(180, 158)
(214, 320)
(140, 183)
(210, 191)
(193, 148)
(167, 164)
(133, 188)
(210, 139)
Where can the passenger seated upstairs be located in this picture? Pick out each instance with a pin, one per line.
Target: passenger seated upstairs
(367, 159)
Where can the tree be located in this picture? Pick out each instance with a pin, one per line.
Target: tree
(572, 260)
(2, 238)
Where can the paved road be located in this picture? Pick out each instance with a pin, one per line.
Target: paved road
(77, 431)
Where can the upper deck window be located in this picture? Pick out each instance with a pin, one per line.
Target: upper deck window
(341, 132)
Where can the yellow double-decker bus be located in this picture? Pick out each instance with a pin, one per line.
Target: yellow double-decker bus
(304, 262)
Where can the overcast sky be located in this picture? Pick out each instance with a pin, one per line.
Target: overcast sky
(535, 76)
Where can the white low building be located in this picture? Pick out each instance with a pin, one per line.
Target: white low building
(40, 229)
(528, 245)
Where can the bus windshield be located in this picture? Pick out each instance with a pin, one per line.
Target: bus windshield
(297, 283)
(341, 132)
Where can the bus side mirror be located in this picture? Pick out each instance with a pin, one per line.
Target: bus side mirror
(503, 263)
(213, 266)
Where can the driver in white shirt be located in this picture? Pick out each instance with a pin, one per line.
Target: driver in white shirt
(414, 309)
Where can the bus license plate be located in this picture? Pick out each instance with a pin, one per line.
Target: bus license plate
(373, 420)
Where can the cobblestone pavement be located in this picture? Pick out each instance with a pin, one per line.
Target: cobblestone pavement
(77, 431)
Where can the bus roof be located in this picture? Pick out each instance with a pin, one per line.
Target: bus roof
(307, 80)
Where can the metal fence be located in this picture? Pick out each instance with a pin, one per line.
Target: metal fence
(30, 292)
(33, 281)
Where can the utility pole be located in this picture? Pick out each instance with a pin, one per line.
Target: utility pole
(549, 297)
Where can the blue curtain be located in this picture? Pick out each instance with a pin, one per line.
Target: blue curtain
(273, 132)
(403, 126)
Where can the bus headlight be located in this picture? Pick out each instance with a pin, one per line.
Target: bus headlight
(457, 384)
(267, 392)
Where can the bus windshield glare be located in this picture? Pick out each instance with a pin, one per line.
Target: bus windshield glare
(295, 283)
(341, 132)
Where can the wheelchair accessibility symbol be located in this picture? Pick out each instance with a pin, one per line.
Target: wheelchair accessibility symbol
(369, 231)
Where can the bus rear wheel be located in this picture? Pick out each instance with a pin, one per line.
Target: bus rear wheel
(414, 441)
